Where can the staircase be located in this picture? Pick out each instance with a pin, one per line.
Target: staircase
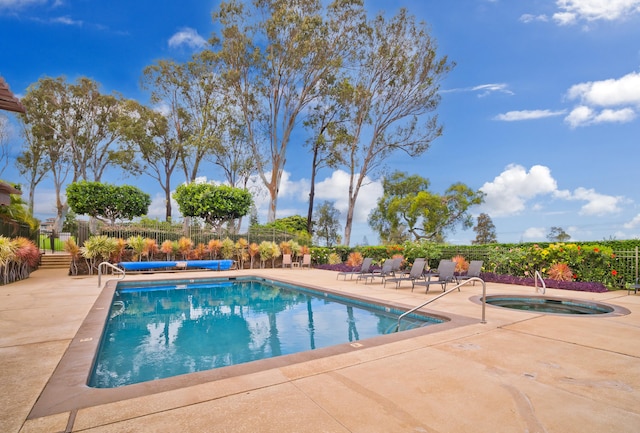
(55, 261)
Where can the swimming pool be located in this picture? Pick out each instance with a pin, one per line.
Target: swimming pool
(163, 329)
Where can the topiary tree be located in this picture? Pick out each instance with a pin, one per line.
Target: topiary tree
(107, 202)
(216, 204)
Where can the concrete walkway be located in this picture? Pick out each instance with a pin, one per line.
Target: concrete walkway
(520, 372)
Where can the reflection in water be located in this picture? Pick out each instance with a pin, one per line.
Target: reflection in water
(161, 332)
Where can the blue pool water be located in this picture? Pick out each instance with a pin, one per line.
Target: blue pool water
(164, 329)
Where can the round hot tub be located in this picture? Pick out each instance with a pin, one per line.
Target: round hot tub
(551, 305)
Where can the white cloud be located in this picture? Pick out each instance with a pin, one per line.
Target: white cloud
(19, 4)
(635, 222)
(66, 21)
(606, 101)
(189, 37)
(484, 89)
(534, 233)
(608, 93)
(597, 204)
(509, 191)
(336, 187)
(512, 116)
(572, 11)
(527, 18)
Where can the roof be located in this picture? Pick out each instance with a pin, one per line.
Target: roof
(5, 191)
(7, 100)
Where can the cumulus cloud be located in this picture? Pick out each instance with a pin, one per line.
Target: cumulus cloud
(573, 11)
(187, 36)
(509, 191)
(336, 187)
(606, 101)
(512, 116)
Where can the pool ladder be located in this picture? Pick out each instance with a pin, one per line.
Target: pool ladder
(543, 288)
(473, 279)
(114, 268)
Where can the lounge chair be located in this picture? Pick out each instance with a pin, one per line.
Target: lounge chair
(416, 273)
(386, 271)
(474, 271)
(306, 261)
(365, 268)
(286, 261)
(445, 274)
(635, 287)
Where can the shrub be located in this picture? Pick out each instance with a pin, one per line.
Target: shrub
(560, 272)
(462, 265)
(355, 259)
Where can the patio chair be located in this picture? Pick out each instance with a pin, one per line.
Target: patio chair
(635, 287)
(387, 270)
(445, 274)
(365, 267)
(416, 273)
(286, 261)
(306, 261)
(474, 271)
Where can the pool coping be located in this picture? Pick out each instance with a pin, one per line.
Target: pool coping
(67, 389)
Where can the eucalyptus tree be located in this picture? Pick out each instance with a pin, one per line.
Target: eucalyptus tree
(191, 96)
(43, 124)
(4, 143)
(77, 125)
(155, 145)
(389, 94)
(33, 163)
(274, 55)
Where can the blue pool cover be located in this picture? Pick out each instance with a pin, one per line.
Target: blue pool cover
(216, 265)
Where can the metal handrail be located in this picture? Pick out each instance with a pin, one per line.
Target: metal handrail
(537, 277)
(115, 268)
(484, 300)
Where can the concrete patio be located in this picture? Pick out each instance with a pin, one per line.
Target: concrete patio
(519, 372)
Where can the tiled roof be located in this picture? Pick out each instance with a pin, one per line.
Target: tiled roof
(7, 100)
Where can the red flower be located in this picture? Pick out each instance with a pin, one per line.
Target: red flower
(614, 272)
(596, 250)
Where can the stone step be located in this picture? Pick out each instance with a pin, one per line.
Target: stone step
(55, 261)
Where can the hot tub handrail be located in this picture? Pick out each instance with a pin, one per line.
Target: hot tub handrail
(484, 299)
(112, 266)
(537, 276)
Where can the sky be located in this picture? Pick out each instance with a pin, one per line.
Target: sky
(541, 112)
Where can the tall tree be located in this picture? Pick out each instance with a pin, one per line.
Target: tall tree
(32, 162)
(327, 225)
(407, 207)
(78, 124)
(193, 100)
(485, 230)
(46, 121)
(155, 145)
(390, 93)
(275, 53)
(4, 143)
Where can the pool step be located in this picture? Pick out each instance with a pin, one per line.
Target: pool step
(55, 261)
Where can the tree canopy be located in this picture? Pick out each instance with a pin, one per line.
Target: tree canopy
(215, 204)
(106, 201)
(407, 208)
(485, 230)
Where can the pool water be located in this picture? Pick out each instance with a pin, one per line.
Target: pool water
(168, 329)
(549, 305)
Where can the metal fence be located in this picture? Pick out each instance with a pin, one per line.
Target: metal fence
(198, 234)
(13, 230)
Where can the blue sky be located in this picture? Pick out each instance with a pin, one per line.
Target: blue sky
(542, 111)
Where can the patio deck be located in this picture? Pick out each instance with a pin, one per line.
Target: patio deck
(518, 372)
